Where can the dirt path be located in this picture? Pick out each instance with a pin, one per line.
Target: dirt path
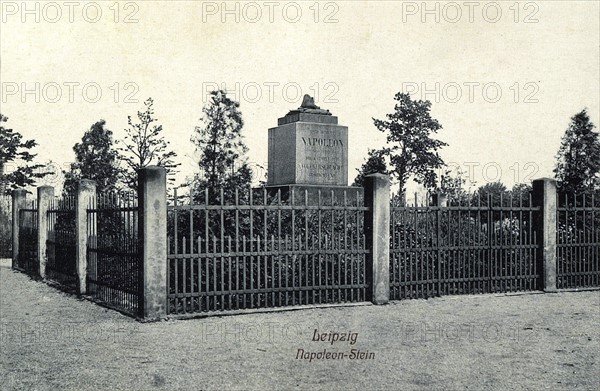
(50, 341)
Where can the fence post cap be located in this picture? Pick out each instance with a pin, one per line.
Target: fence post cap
(86, 184)
(150, 172)
(19, 192)
(545, 179)
(152, 168)
(377, 175)
(439, 198)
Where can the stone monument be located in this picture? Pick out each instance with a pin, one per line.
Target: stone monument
(308, 152)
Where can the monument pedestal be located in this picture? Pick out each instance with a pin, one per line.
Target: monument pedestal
(308, 157)
(308, 149)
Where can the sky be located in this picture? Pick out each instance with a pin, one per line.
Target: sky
(504, 78)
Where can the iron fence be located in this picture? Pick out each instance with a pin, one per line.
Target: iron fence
(230, 250)
(113, 256)
(578, 241)
(253, 249)
(61, 265)
(5, 226)
(28, 240)
(468, 246)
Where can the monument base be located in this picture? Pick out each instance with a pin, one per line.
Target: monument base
(318, 194)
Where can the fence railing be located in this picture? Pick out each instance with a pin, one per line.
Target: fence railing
(259, 250)
(578, 241)
(467, 246)
(243, 250)
(61, 263)
(113, 258)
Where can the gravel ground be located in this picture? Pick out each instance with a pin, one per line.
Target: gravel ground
(53, 341)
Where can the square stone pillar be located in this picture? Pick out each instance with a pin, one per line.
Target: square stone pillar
(45, 196)
(377, 232)
(86, 192)
(152, 223)
(18, 202)
(544, 196)
(308, 149)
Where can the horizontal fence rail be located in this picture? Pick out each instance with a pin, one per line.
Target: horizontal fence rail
(253, 249)
(462, 246)
(61, 264)
(578, 241)
(113, 256)
(28, 239)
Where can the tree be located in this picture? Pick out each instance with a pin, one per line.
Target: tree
(578, 160)
(144, 145)
(13, 149)
(453, 186)
(494, 190)
(95, 159)
(410, 149)
(374, 164)
(521, 193)
(220, 144)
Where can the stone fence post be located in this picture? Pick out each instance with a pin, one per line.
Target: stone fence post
(86, 192)
(18, 202)
(152, 231)
(439, 200)
(45, 195)
(377, 232)
(544, 224)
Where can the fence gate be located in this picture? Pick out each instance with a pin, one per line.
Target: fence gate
(113, 258)
(473, 245)
(28, 236)
(233, 251)
(60, 246)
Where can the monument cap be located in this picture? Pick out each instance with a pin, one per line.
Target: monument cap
(308, 112)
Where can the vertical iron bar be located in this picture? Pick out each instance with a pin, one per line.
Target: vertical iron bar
(237, 246)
